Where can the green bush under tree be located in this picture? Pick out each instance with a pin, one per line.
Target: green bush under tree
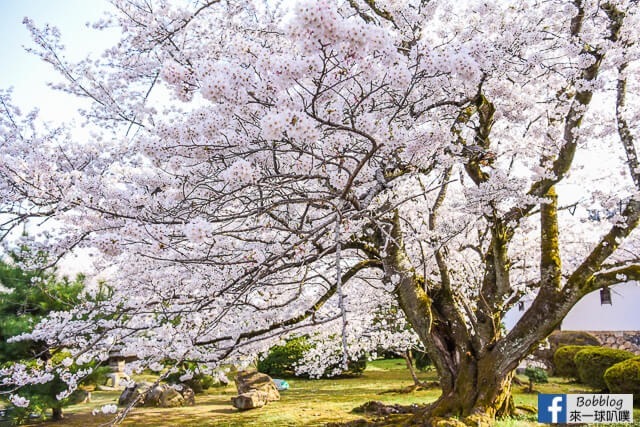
(281, 361)
(593, 362)
(357, 366)
(563, 338)
(536, 375)
(422, 361)
(624, 378)
(564, 363)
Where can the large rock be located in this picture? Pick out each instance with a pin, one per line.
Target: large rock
(163, 396)
(222, 378)
(254, 380)
(250, 400)
(160, 395)
(152, 398)
(189, 395)
(171, 398)
(375, 407)
(137, 391)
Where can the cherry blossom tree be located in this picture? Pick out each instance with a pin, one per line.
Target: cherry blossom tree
(257, 169)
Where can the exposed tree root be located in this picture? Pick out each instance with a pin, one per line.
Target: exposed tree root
(422, 385)
(414, 415)
(378, 408)
(517, 381)
(525, 410)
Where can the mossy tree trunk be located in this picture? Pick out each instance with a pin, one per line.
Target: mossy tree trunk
(469, 368)
(462, 331)
(474, 358)
(478, 394)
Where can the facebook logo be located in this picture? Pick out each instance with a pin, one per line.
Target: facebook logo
(585, 408)
(552, 408)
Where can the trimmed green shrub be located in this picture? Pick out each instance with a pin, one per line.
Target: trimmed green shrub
(563, 361)
(357, 366)
(593, 362)
(281, 360)
(559, 339)
(624, 377)
(422, 360)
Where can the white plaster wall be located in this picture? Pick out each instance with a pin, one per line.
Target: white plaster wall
(589, 315)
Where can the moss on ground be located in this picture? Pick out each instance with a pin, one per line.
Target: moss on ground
(307, 403)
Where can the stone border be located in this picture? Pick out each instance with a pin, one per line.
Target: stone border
(622, 340)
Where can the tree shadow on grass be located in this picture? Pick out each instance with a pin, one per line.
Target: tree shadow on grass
(224, 411)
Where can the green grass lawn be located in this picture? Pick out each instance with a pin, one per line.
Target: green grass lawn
(307, 403)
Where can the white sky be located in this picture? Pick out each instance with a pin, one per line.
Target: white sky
(28, 75)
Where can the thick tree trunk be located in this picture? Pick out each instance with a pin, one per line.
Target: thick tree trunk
(56, 414)
(474, 377)
(477, 397)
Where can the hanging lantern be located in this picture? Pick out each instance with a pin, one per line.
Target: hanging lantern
(605, 296)
(521, 306)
